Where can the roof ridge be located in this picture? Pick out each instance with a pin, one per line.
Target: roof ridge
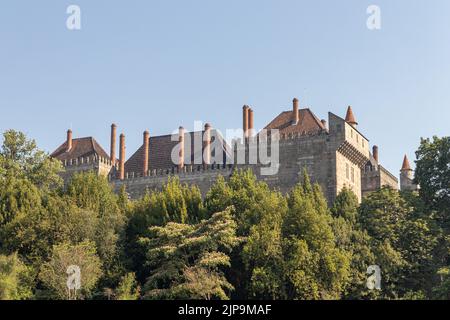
(318, 121)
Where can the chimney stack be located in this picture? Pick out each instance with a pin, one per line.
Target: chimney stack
(295, 113)
(146, 153)
(375, 153)
(69, 140)
(207, 140)
(122, 157)
(113, 144)
(245, 121)
(250, 123)
(324, 124)
(181, 142)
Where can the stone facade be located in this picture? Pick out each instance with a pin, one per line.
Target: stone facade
(334, 155)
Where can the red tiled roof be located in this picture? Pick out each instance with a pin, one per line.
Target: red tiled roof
(160, 153)
(81, 147)
(308, 123)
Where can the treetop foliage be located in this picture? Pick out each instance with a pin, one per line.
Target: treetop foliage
(241, 241)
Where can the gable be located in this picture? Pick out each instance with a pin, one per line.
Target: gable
(81, 148)
(308, 123)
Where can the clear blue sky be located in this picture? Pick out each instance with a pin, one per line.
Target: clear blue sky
(160, 64)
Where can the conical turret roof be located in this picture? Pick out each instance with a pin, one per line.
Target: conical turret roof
(350, 117)
(405, 165)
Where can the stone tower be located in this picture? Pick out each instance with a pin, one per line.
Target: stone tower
(407, 177)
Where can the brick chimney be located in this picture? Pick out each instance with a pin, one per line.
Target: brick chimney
(122, 157)
(207, 140)
(295, 113)
(245, 121)
(69, 140)
(375, 153)
(250, 123)
(113, 144)
(146, 143)
(181, 142)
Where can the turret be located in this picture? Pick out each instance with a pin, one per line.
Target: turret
(407, 176)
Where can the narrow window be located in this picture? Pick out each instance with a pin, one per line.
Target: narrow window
(347, 171)
(353, 174)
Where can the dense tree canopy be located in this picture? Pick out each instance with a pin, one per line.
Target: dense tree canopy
(241, 241)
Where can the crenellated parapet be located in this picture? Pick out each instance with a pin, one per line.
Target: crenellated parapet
(202, 176)
(190, 170)
(89, 160)
(100, 165)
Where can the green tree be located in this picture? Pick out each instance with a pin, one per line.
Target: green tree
(53, 273)
(174, 203)
(16, 279)
(433, 175)
(259, 213)
(128, 288)
(34, 234)
(20, 157)
(352, 238)
(18, 196)
(315, 267)
(381, 214)
(442, 291)
(93, 193)
(262, 252)
(187, 261)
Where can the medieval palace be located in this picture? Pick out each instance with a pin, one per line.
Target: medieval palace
(335, 154)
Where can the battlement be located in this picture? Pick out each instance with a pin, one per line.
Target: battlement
(335, 154)
(82, 161)
(282, 136)
(190, 170)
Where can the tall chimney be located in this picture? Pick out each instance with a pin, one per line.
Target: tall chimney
(181, 142)
(122, 157)
(375, 153)
(250, 123)
(295, 114)
(113, 144)
(69, 140)
(146, 153)
(245, 121)
(207, 140)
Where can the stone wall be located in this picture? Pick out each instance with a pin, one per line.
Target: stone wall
(201, 176)
(297, 152)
